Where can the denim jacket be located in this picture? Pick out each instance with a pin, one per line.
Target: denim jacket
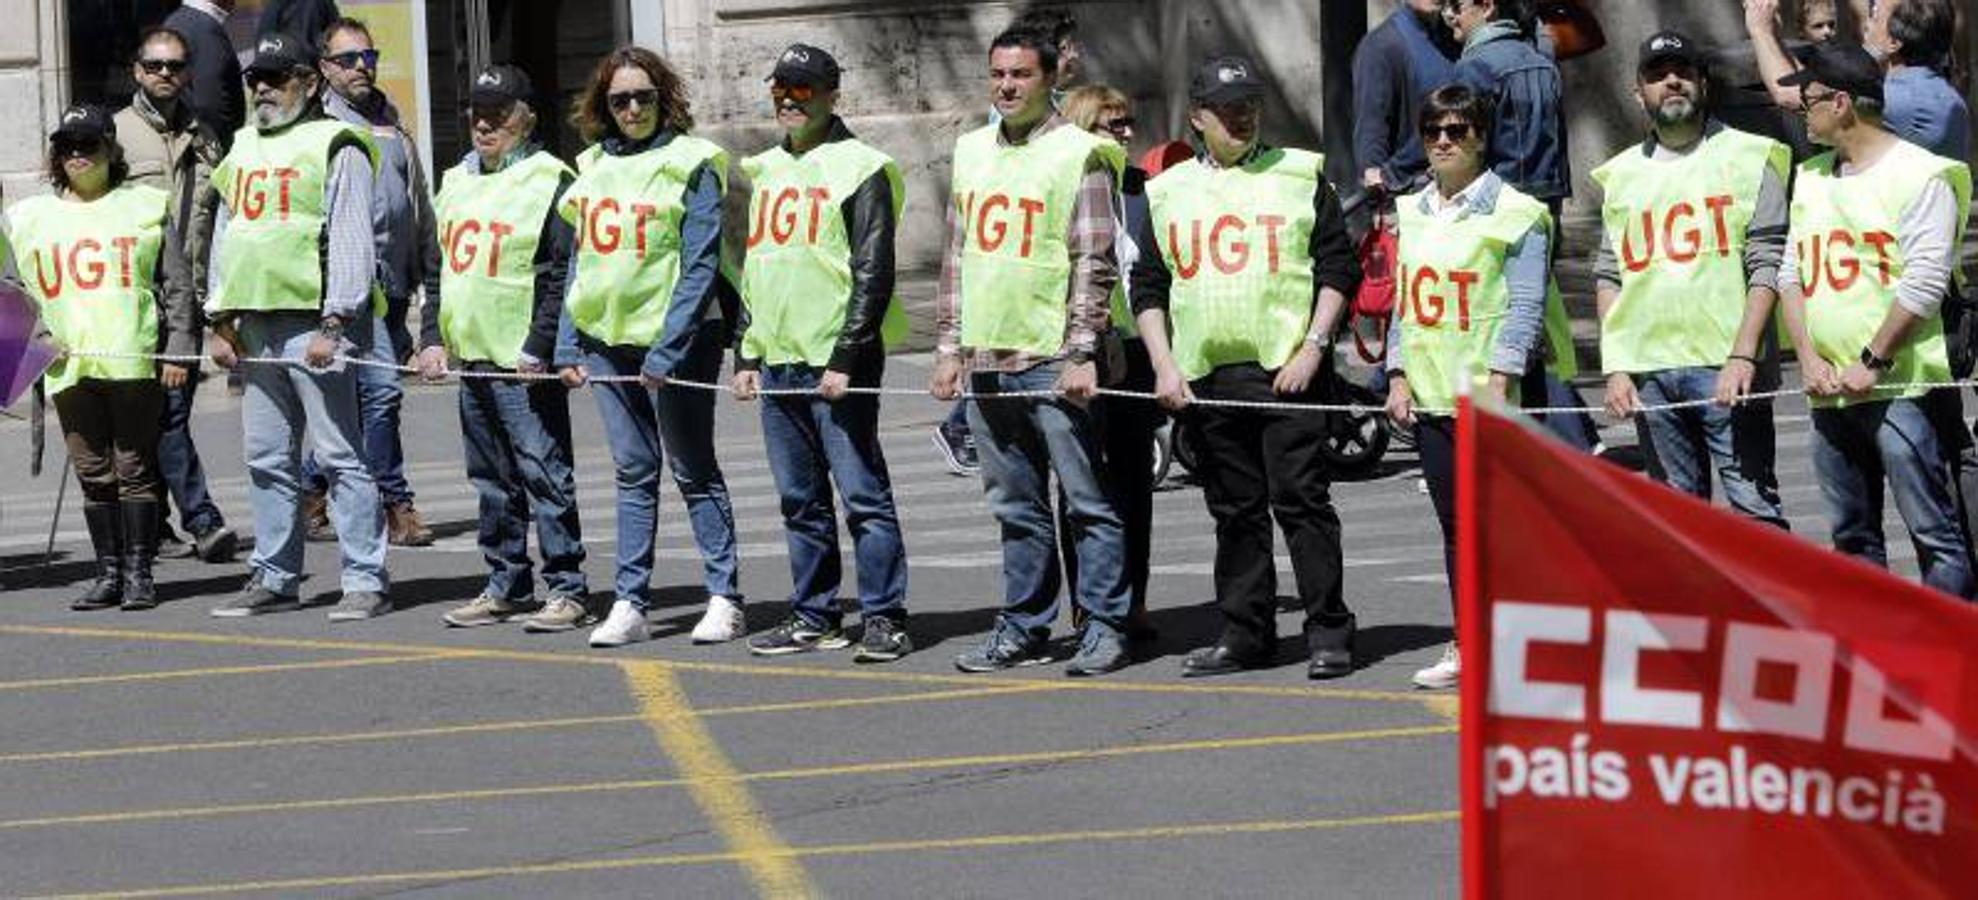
(1528, 147)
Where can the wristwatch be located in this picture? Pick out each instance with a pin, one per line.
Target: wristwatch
(332, 327)
(1876, 363)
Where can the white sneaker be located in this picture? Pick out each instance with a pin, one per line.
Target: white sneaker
(625, 625)
(1443, 674)
(722, 622)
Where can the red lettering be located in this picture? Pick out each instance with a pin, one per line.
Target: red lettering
(287, 177)
(596, 232)
(1030, 210)
(1463, 280)
(1809, 267)
(641, 214)
(1238, 248)
(1424, 316)
(94, 266)
(983, 236)
(1717, 205)
(1880, 240)
(1628, 243)
(782, 222)
(1186, 265)
(756, 231)
(818, 197)
(41, 261)
(497, 231)
(456, 241)
(254, 200)
(1848, 264)
(1271, 225)
(126, 248)
(1687, 250)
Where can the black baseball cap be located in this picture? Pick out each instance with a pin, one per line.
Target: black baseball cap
(804, 64)
(1843, 67)
(1225, 79)
(85, 121)
(282, 53)
(1669, 46)
(500, 85)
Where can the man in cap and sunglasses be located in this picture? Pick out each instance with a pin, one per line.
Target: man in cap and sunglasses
(169, 148)
(1240, 302)
(1694, 223)
(818, 289)
(294, 262)
(1870, 257)
(492, 308)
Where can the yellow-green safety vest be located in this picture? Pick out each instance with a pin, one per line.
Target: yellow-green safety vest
(1237, 243)
(797, 274)
(92, 267)
(1844, 235)
(1453, 295)
(274, 186)
(1678, 231)
(627, 211)
(1013, 206)
(489, 228)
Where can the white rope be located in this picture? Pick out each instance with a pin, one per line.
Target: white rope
(1349, 408)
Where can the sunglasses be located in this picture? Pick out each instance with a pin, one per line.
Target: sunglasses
(351, 59)
(795, 93)
(65, 148)
(1456, 132)
(275, 80)
(1118, 125)
(1809, 100)
(647, 99)
(496, 114)
(164, 66)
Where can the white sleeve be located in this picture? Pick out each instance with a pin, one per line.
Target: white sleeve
(1927, 234)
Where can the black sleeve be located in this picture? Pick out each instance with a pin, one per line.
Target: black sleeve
(1374, 85)
(1335, 262)
(429, 308)
(870, 228)
(1148, 283)
(552, 270)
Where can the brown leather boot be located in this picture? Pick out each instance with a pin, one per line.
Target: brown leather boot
(405, 528)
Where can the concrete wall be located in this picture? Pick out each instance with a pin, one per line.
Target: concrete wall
(31, 75)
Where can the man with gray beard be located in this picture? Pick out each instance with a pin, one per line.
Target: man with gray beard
(1694, 226)
(293, 264)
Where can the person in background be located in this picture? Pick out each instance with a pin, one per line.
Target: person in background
(309, 18)
(1403, 58)
(214, 89)
(492, 308)
(1912, 39)
(169, 148)
(97, 258)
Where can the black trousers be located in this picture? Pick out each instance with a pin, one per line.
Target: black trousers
(111, 431)
(1126, 444)
(1435, 442)
(1256, 466)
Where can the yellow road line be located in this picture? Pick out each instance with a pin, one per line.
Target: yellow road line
(171, 674)
(1444, 705)
(715, 785)
(993, 841)
(303, 740)
(1040, 757)
(1105, 685)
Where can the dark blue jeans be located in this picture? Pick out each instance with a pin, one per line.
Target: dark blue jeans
(1738, 442)
(179, 466)
(517, 438)
(686, 428)
(812, 443)
(379, 397)
(1022, 443)
(1857, 447)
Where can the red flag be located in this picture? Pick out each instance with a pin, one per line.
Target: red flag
(1661, 699)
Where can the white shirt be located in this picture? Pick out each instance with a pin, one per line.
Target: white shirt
(208, 7)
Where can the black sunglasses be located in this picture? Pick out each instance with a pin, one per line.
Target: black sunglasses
(496, 113)
(66, 147)
(619, 102)
(156, 66)
(349, 59)
(276, 80)
(1456, 132)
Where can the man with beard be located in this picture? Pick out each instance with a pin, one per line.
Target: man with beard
(293, 265)
(1694, 225)
(169, 148)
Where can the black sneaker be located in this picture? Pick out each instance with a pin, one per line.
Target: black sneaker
(798, 636)
(217, 544)
(1002, 650)
(884, 640)
(957, 446)
(255, 600)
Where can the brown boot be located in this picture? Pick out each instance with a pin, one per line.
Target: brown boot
(405, 528)
(316, 517)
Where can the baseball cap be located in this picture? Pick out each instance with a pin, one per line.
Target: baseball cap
(500, 85)
(85, 121)
(804, 64)
(1225, 79)
(281, 53)
(1670, 46)
(1843, 67)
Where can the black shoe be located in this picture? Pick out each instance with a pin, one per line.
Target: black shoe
(106, 535)
(1332, 650)
(957, 446)
(797, 635)
(1221, 659)
(884, 640)
(140, 548)
(217, 544)
(1330, 663)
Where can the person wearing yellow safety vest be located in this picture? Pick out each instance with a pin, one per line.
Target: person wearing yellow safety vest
(1474, 276)
(1022, 308)
(818, 285)
(1871, 255)
(492, 307)
(1694, 223)
(1239, 293)
(99, 258)
(292, 270)
(646, 206)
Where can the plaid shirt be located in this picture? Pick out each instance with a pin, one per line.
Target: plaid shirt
(1094, 271)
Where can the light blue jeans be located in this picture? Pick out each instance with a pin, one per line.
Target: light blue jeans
(1856, 448)
(1737, 442)
(281, 404)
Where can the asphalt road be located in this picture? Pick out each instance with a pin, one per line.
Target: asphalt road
(168, 753)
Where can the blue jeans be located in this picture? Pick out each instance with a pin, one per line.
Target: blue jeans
(686, 428)
(518, 459)
(1738, 442)
(1021, 443)
(280, 403)
(1854, 449)
(637, 423)
(379, 397)
(179, 466)
(813, 442)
